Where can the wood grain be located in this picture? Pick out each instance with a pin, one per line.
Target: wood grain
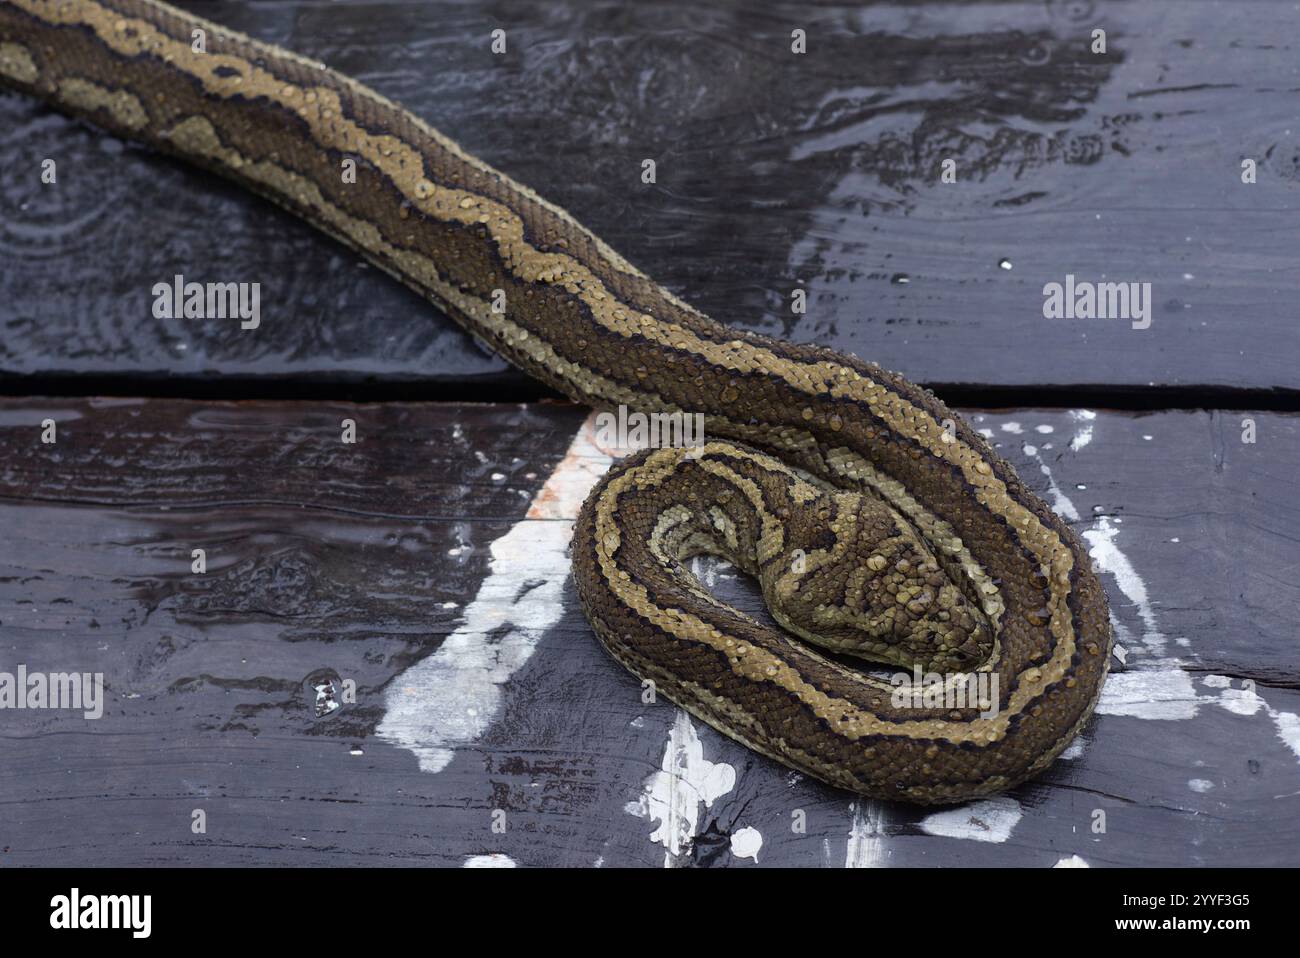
(775, 172)
(364, 559)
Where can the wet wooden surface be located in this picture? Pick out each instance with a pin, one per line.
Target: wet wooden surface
(775, 172)
(375, 560)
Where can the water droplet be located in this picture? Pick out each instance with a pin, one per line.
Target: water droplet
(1074, 11)
(1036, 54)
(322, 690)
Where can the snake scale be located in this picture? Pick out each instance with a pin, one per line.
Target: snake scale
(879, 524)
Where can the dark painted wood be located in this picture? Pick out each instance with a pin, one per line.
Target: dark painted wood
(363, 558)
(775, 171)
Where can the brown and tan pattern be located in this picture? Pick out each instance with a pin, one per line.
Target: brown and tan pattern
(878, 523)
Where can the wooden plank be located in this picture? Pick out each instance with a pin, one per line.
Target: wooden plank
(426, 563)
(775, 172)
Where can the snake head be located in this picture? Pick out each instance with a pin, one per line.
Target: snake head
(855, 577)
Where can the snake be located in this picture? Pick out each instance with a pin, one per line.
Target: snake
(883, 530)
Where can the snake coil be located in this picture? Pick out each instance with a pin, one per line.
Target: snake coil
(879, 524)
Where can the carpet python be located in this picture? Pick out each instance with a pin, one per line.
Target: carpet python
(879, 524)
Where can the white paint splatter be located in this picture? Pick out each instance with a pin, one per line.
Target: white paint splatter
(673, 795)
(450, 698)
(1074, 861)
(1109, 558)
(989, 820)
(495, 860)
(1246, 701)
(1083, 434)
(1060, 501)
(1159, 694)
(745, 843)
(1074, 749)
(1241, 701)
(866, 848)
(1288, 729)
(1012, 427)
(1168, 693)
(1200, 784)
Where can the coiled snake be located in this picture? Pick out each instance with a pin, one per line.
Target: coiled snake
(879, 524)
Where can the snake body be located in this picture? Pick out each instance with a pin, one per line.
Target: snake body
(879, 523)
